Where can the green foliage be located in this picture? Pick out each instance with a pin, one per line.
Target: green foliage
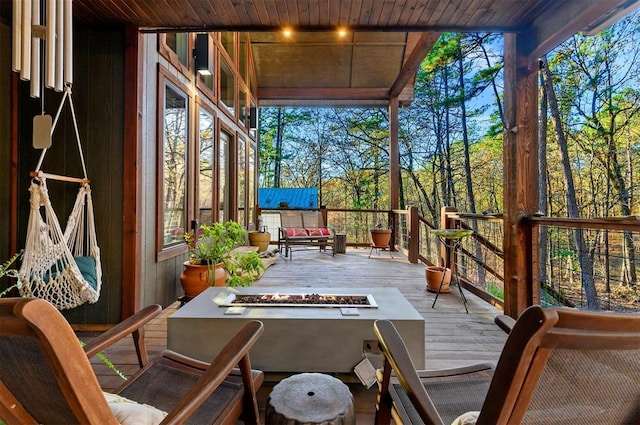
(344, 152)
(496, 291)
(108, 362)
(5, 270)
(216, 244)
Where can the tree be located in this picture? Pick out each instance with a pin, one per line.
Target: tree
(586, 266)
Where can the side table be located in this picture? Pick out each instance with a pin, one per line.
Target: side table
(341, 243)
(451, 238)
(310, 398)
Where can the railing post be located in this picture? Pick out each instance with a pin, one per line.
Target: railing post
(446, 257)
(391, 219)
(325, 214)
(414, 235)
(258, 213)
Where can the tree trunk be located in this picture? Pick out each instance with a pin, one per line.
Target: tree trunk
(278, 159)
(572, 205)
(542, 186)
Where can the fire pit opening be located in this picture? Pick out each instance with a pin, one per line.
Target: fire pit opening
(299, 300)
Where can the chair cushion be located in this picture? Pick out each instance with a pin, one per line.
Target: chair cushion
(468, 418)
(319, 232)
(129, 412)
(296, 231)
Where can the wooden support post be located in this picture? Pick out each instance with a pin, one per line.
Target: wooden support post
(520, 157)
(414, 235)
(132, 190)
(324, 212)
(258, 213)
(394, 155)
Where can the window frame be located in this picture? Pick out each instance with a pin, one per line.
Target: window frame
(202, 107)
(165, 81)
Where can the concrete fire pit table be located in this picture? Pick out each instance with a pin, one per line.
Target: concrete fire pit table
(300, 338)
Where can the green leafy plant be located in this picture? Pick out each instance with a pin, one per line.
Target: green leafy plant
(108, 362)
(218, 243)
(5, 270)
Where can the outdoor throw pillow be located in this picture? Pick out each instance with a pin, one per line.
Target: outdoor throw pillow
(129, 412)
(318, 232)
(468, 418)
(296, 231)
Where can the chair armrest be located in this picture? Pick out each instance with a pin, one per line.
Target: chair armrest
(505, 322)
(458, 371)
(130, 326)
(234, 353)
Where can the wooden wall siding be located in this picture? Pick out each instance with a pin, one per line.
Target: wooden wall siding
(98, 100)
(5, 147)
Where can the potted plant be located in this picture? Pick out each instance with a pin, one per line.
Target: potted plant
(261, 237)
(215, 260)
(434, 276)
(380, 237)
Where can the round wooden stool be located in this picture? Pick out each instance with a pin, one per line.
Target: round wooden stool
(310, 398)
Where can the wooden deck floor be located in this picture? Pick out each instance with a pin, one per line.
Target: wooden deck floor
(452, 337)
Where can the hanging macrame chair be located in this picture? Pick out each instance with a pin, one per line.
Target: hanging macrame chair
(62, 268)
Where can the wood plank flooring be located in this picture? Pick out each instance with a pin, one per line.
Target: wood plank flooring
(452, 337)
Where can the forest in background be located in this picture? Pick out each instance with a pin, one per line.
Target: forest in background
(450, 136)
(451, 152)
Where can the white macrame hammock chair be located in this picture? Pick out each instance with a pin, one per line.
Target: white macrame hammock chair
(62, 268)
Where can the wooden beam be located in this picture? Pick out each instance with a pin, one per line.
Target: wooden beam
(411, 64)
(520, 156)
(556, 25)
(132, 190)
(394, 155)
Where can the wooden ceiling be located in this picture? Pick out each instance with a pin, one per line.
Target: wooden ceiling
(376, 59)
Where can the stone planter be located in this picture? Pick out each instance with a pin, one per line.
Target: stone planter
(433, 275)
(195, 278)
(260, 239)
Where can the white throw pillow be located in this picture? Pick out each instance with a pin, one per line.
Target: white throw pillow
(129, 412)
(468, 418)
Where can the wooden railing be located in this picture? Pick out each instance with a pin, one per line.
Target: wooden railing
(559, 274)
(479, 262)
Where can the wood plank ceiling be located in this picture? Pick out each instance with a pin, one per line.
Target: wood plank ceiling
(314, 66)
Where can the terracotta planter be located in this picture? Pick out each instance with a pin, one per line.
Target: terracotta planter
(195, 278)
(433, 274)
(380, 237)
(260, 239)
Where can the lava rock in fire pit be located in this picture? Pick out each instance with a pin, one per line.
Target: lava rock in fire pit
(314, 299)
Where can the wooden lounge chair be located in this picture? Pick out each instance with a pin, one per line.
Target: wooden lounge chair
(46, 377)
(557, 366)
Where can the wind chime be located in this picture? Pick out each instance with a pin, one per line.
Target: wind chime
(39, 24)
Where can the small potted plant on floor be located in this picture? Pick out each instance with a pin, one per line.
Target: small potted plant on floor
(215, 258)
(435, 275)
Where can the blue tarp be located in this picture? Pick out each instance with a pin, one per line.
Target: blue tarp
(295, 197)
